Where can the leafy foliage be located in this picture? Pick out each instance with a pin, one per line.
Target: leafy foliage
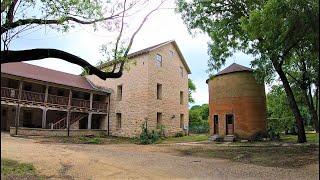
(273, 31)
(147, 137)
(280, 117)
(192, 89)
(198, 119)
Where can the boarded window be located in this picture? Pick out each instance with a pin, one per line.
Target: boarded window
(119, 123)
(181, 120)
(159, 91)
(119, 92)
(159, 119)
(158, 60)
(181, 97)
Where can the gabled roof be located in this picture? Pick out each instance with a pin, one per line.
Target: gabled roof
(25, 70)
(233, 68)
(151, 48)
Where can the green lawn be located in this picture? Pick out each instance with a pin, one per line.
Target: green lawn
(190, 138)
(271, 156)
(311, 138)
(11, 169)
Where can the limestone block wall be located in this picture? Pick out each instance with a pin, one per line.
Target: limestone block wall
(169, 75)
(139, 93)
(239, 94)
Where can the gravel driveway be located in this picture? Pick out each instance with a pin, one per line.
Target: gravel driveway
(81, 161)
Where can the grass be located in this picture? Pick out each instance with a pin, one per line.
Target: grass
(272, 156)
(11, 169)
(190, 138)
(89, 140)
(311, 138)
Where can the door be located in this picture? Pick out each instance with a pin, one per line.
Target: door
(230, 124)
(215, 124)
(3, 119)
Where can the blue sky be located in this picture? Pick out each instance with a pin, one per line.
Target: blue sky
(162, 26)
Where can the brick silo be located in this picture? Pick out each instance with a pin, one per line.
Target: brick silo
(237, 103)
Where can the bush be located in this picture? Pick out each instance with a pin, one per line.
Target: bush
(199, 128)
(147, 137)
(179, 134)
(257, 136)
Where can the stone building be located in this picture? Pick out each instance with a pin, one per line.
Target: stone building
(153, 88)
(237, 103)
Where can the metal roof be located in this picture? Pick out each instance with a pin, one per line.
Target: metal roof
(47, 75)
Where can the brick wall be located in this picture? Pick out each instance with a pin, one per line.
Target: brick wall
(238, 94)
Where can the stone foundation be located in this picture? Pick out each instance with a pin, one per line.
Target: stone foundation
(56, 132)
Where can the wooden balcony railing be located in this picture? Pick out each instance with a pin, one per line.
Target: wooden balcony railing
(80, 103)
(58, 100)
(32, 96)
(99, 105)
(9, 93)
(29, 96)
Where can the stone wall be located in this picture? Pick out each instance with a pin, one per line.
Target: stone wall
(55, 132)
(139, 101)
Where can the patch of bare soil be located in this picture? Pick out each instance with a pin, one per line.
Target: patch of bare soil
(131, 161)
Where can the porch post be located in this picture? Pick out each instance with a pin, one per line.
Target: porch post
(46, 95)
(69, 111)
(44, 117)
(17, 116)
(89, 120)
(91, 100)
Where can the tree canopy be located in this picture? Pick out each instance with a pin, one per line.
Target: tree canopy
(192, 88)
(272, 31)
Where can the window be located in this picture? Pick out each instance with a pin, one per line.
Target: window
(158, 60)
(181, 120)
(181, 97)
(159, 119)
(118, 120)
(181, 71)
(119, 92)
(159, 91)
(229, 118)
(171, 53)
(215, 119)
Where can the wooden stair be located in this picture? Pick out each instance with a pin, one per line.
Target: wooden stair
(62, 123)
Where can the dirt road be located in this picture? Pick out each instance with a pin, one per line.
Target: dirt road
(72, 161)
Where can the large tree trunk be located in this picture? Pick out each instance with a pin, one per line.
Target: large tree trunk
(293, 104)
(8, 56)
(313, 111)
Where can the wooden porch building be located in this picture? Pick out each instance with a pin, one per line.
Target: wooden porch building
(37, 97)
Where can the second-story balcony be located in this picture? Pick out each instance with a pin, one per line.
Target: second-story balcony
(30, 97)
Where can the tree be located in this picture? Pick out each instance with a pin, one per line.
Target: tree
(192, 89)
(270, 30)
(198, 119)
(18, 16)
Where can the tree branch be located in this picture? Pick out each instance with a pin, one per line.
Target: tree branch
(8, 56)
(7, 26)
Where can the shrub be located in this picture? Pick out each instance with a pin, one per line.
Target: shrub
(147, 137)
(179, 134)
(258, 136)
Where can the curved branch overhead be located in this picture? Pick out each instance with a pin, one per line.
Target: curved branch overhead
(9, 56)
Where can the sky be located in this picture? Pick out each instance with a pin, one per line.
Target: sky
(161, 26)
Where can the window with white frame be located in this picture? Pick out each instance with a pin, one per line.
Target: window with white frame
(158, 60)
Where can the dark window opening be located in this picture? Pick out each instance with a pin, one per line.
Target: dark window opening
(119, 123)
(159, 91)
(159, 119)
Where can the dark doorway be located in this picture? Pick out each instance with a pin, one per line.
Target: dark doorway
(215, 124)
(230, 124)
(3, 119)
